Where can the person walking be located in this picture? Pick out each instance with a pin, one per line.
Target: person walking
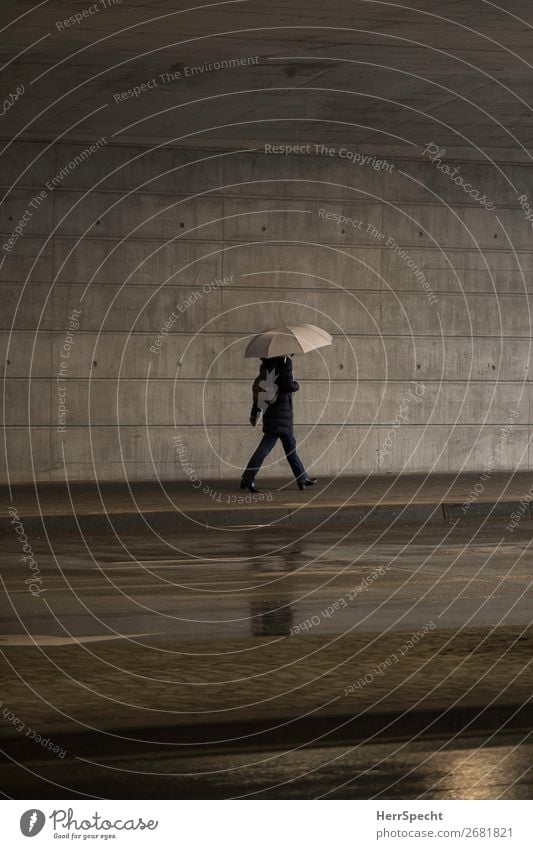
(272, 401)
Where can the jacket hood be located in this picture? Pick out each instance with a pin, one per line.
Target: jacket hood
(272, 362)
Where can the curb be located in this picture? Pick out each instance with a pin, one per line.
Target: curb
(245, 518)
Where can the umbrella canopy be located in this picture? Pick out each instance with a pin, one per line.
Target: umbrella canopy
(287, 340)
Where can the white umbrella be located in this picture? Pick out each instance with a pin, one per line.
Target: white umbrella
(287, 340)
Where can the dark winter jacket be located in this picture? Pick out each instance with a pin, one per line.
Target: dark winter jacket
(273, 389)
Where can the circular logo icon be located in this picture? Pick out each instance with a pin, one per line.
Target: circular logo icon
(32, 822)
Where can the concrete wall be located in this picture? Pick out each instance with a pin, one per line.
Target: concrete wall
(131, 232)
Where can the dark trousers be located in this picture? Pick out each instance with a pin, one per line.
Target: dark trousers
(263, 450)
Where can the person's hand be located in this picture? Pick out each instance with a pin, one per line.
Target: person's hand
(253, 421)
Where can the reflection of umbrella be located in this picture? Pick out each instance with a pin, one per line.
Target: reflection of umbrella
(286, 340)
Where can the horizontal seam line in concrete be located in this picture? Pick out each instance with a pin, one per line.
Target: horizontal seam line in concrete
(394, 157)
(358, 197)
(266, 239)
(31, 139)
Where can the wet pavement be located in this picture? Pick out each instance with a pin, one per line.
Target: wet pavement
(199, 664)
(135, 507)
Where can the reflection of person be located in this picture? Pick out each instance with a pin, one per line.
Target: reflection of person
(273, 390)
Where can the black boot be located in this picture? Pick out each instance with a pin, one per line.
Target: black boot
(306, 482)
(250, 486)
